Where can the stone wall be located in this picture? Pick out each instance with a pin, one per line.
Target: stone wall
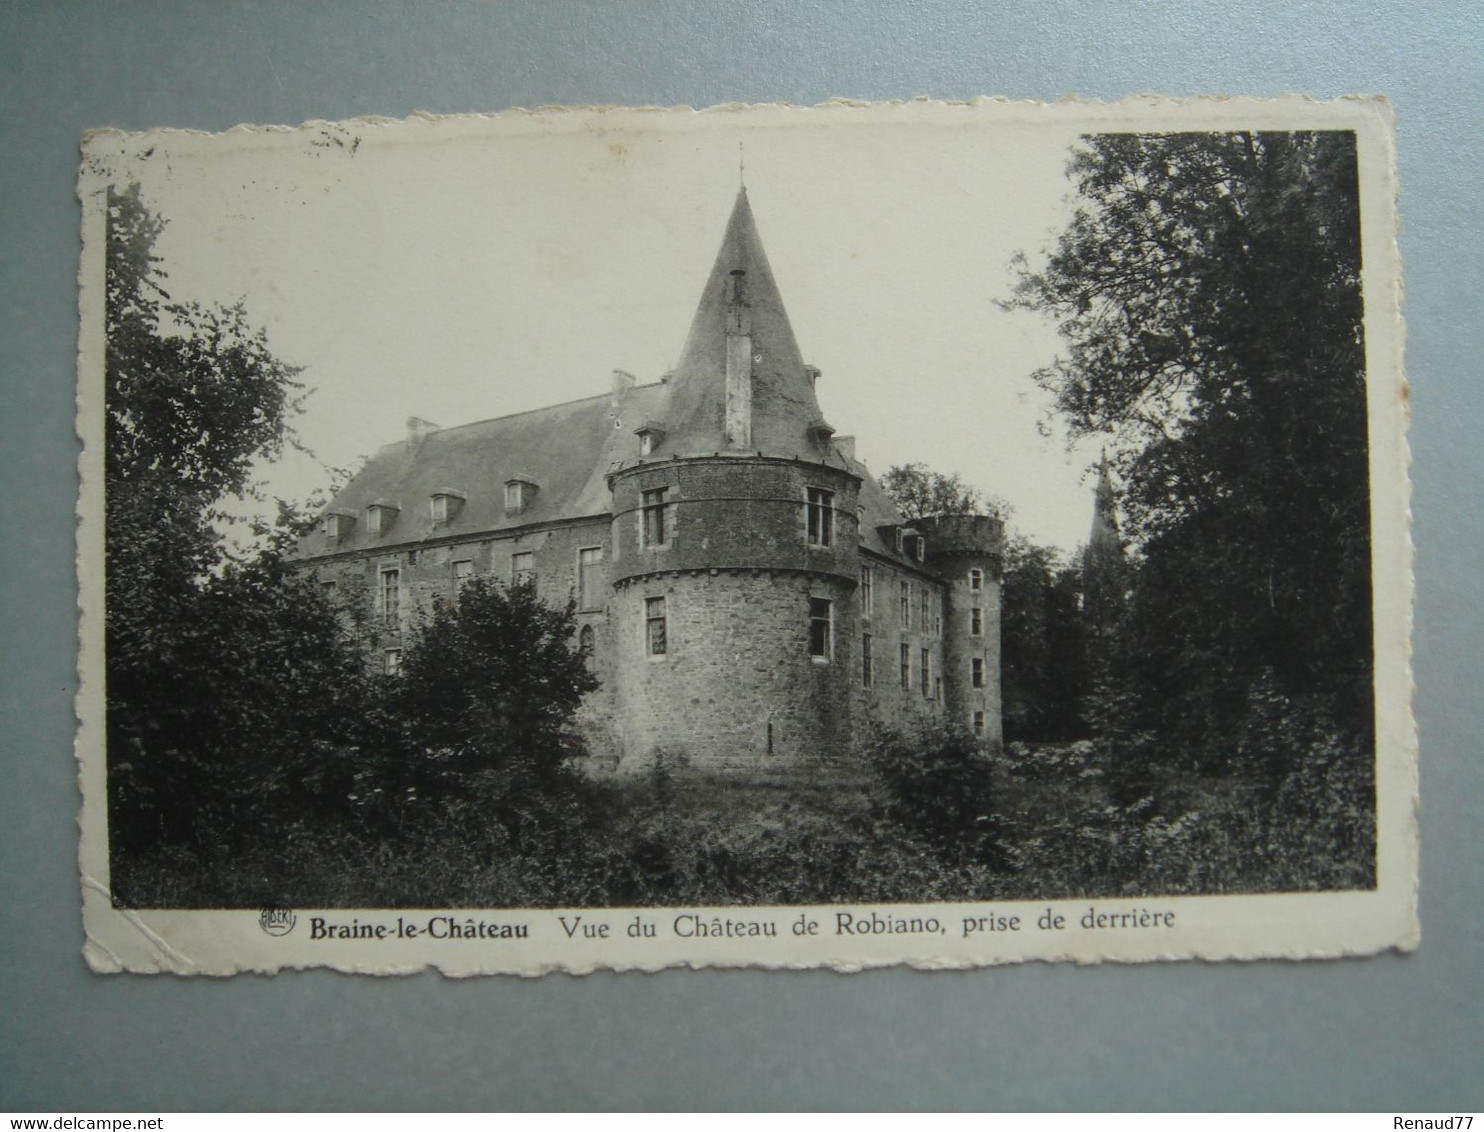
(736, 689)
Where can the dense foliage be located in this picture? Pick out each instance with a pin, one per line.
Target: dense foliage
(1208, 291)
(919, 492)
(226, 675)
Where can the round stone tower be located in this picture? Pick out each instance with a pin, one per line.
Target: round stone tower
(967, 552)
(734, 547)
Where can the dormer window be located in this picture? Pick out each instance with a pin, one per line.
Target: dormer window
(650, 434)
(337, 524)
(443, 505)
(919, 548)
(520, 493)
(820, 517)
(379, 518)
(820, 431)
(901, 541)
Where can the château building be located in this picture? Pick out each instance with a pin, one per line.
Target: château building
(747, 595)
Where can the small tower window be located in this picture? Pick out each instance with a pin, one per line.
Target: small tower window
(655, 529)
(906, 665)
(821, 517)
(976, 622)
(977, 671)
(976, 579)
(906, 603)
(865, 591)
(590, 577)
(391, 662)
(927, 672)
(978, 723)
(654, 626)
(865, 660)
(389, 597)
(585, 645)
(821, 627)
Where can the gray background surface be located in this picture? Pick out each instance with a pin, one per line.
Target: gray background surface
(1391, 1033)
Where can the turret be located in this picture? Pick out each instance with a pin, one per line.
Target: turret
(734, 543)
(967, 552)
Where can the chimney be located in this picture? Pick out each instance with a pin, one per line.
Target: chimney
(418, 430)
(623, 381)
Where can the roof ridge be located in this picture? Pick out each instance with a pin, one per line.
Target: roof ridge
(539, 409)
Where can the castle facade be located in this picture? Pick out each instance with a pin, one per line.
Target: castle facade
(747, 595)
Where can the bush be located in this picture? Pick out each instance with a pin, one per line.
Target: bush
(936, 784)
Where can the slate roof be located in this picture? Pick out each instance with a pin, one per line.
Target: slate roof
(783, 400)
(565, 449)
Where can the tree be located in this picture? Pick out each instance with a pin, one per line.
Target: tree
(1043, 672)
(490, 686)
(229, 677)
(1208, 292)
(920, 492)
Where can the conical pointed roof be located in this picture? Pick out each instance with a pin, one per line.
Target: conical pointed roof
(1104, 539)
(783, 401)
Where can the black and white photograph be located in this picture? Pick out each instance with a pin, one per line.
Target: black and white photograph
(945, 534)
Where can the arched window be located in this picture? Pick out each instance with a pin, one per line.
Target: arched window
(585, 644)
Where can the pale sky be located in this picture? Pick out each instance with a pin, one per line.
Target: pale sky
(458, 270)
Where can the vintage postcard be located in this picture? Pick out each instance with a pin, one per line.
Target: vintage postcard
(925, 533)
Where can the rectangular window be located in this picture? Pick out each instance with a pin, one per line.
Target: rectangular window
(462, 572)
(522, 567)
(821, 613)
(976, 622)
(654, 621)
(906, 665)
(927, 673)
(924, 600)
(906, 596)
(590, 577)
(391, 662)
(654, 517)
(977, 672)
(390, 597)
(821, 517)
(976, 579)
(865, 660)
(978, 723)
(865, 591)
(938, 689)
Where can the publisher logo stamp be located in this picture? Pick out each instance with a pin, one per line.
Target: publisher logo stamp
(276, 921)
